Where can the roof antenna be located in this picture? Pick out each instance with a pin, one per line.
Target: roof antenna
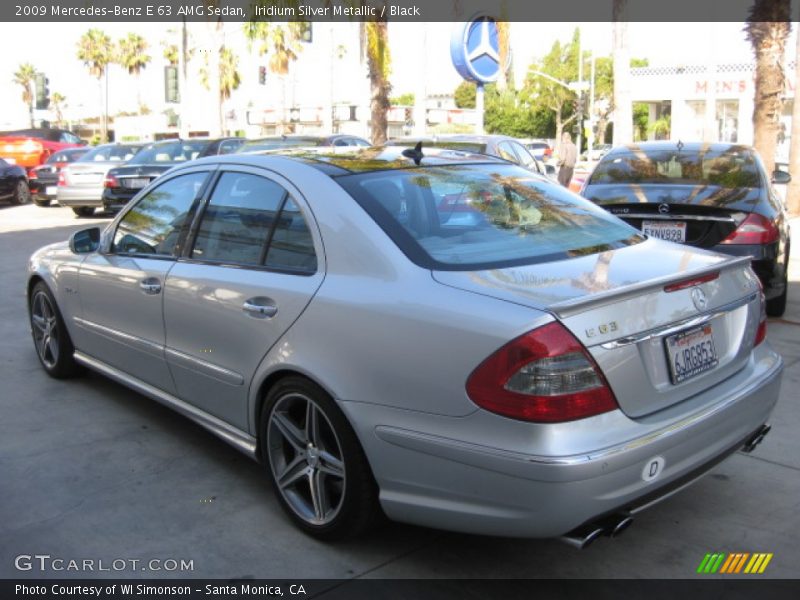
(414, 153)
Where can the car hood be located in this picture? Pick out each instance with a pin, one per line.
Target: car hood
(575, 283)
(712, 196)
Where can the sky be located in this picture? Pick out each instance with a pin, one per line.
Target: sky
(51, 48)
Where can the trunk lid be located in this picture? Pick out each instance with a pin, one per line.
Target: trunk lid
(700, 215)
(618, 305)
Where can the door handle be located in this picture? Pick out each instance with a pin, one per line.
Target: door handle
(150, 286)
(261, 308)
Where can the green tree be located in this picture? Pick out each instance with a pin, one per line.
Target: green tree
(376, 45)
(24, 77)
(58, 102)
(406, 99)
(132, 56)
(767, 29)
(96, 51)
(229, 76)
(465, 94)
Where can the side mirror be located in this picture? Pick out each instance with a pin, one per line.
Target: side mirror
(781, 177)
(550, 170)
(85, 240)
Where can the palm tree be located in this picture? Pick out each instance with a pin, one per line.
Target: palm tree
(793, 191)
(96, 51)
(623, 106)
(281, 41)
(767, 29)
(58, 102)
(376, 37)
(229, 77)
(25, 76)
(133, 56)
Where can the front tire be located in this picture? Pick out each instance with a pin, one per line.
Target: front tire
(50, 336)
(22, 194)
(315, 462)
(83, 211)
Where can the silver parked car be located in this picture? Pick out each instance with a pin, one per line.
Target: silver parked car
(447, 338)
(80, 184)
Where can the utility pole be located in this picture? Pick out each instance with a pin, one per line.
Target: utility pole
(578, 138)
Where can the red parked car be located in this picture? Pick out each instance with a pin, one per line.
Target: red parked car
(30, 148)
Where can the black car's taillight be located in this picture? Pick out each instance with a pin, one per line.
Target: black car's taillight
(755, 229)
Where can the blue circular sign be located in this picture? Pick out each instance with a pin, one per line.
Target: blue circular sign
(475, 50)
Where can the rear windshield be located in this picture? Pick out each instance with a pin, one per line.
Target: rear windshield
(174, 152)
(729, 168)
(469, 217)
(113, 152)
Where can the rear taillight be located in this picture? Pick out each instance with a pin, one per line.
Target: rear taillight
(544, 376)
(761, 332)
(755, 229)
(32, 174)
(110, 182)
(61, 179)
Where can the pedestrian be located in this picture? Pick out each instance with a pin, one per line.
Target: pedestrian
(567, 157)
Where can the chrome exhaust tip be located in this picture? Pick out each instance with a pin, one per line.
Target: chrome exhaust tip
(756, 438)
(612, 526)
(582, 537)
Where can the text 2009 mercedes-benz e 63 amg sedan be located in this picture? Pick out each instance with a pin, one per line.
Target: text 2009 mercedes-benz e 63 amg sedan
(444, 338)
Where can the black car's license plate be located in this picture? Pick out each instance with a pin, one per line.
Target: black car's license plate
(690, 353)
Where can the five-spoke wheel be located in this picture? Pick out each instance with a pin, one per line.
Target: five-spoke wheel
(50, 336)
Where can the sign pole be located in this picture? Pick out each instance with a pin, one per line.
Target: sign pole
(479, 109)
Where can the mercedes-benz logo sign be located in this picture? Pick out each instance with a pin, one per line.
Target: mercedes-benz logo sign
(699, 299)
(663, 208)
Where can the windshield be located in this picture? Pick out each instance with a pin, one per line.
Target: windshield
(172, 152)
(468, 217)
(110, 152)
(731, 167)
(279, 143)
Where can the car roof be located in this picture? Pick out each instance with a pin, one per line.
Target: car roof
(349, 160)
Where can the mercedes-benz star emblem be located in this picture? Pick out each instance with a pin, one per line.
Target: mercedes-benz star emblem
(699, 299)
(663, 208)
(485, 47)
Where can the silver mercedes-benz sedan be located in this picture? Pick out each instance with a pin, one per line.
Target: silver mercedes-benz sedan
(445, 338)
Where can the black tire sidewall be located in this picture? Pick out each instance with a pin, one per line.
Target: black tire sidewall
(65, 366)
(360, 496)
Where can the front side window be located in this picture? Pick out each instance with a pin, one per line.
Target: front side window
(154, 224)
(470, 217)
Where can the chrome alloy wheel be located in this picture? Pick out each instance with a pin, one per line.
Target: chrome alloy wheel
(45, 329)
(306, 459)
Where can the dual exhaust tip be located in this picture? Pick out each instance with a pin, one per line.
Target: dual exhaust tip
(611, 526)
(614, 525)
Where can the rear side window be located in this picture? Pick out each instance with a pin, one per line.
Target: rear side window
(733, 167)
(253, 221)
(154, 224)
(470, 217)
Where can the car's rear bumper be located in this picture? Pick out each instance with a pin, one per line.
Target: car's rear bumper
(767, 264)
(80, 196)
(449, 480)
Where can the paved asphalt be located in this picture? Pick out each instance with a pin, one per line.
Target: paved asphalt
(90, 470)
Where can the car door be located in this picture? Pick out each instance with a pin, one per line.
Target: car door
(252, 267)
(121, 287)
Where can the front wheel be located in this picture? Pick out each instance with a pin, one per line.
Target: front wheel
(22, 194)
(83, 211)
(50, 336)
(315, 463)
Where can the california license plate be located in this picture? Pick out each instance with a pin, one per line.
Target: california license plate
(135, 183)
(50, 190)
(673, 231)
(690, 353)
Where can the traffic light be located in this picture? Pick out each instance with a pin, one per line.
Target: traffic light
(262, 75)
(172, 92)
(42, 91)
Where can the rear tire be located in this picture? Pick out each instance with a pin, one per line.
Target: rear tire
(50, 336)
(315, 462)
(83, 211)
(22, 194)
(777, 306)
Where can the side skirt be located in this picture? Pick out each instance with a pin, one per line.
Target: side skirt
(240, 440)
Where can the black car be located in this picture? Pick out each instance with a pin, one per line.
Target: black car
(13, 183)
(123, 183)
(43, 179)
(502, 146)
(227, 145)
(284, 142)
(715, 196)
